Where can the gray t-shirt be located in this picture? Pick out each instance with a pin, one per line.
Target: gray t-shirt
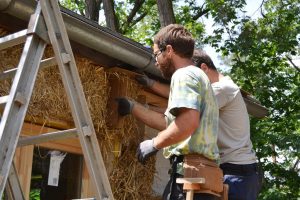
(234, 141)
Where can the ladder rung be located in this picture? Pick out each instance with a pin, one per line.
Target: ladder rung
(48, 62)
(11, 72)
(13, 39)
(8, 73)
(3, 100)
(46, 137)
(19, 98)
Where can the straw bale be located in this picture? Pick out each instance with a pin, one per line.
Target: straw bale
(3, 32)
(129, 179)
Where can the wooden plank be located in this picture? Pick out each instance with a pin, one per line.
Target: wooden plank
(131, 74)
(118, 89)
(190, 180)
(48, 137)
(23, 162)
(71, 145)
(114, 120)
(86, 188)
(53, 123)
(153, 99)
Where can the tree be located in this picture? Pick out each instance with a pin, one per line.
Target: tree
(166, 13)
(110, 15)
(92, 9)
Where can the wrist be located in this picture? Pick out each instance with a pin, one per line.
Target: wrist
(146, 106)
(150, 83)
(154, 143)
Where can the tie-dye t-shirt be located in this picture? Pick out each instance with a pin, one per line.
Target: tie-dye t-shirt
(190, 88)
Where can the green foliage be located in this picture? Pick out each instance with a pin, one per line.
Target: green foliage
(77, 6)
(143, 30)
(35, 194)
(184, 14)
(258, 50)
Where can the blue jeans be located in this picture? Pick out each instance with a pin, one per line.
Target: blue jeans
(243, 181)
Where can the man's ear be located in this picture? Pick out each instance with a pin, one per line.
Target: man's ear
(169, 49)
(204, 67)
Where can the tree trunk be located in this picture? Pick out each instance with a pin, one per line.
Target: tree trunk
(110, 15)
(166, 13)
(92, 9)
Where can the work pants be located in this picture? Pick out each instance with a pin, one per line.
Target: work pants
(243, 180)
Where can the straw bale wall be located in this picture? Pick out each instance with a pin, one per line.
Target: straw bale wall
(128, 178)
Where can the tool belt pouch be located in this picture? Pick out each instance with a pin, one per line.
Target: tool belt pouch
(197, 166)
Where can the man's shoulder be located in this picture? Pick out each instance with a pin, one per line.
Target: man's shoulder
(190, 71)
(226, 84)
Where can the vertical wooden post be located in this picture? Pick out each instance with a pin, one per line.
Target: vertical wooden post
(23, 162)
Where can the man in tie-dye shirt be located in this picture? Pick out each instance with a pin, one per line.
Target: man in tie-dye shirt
(190, 123)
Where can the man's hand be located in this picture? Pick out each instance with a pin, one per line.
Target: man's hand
(145, 150)
(124, 106)
(144, 80)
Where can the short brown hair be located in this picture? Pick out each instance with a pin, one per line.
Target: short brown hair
(178, 37)
(200, 57)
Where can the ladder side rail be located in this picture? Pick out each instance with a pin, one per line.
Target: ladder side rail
(18, 101)
(79, 108)
(11, 121)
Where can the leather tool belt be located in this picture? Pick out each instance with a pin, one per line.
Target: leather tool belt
(197, 166)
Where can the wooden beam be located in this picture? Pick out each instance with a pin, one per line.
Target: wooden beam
(153, 99)
(71, 145)
(53, 123)
(118, 89)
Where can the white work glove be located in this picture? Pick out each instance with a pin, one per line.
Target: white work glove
(145, 150)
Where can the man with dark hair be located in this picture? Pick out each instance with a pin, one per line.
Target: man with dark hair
(189, 126)
(238, 159)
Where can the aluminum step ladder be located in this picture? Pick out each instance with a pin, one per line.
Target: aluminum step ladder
(46, 26)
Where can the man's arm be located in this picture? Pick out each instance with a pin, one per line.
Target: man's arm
(161, 89)
(157, 109)
(149, 117)
(183, 127)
